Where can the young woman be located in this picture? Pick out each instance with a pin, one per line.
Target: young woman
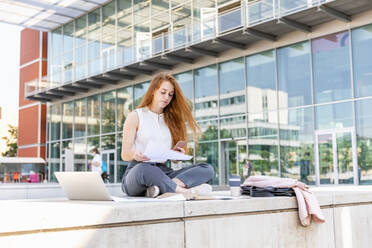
(161, 117)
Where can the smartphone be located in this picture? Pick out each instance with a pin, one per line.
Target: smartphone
(180, 144)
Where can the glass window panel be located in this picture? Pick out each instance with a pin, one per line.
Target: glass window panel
(362, 63)
(80, 31)
(261, 84)
(263, 143)
(294, 75)
(206, 94)
(124, 13)
(233, 127)
(56, 48)
(94, 26)
(181, 19)
(67, 156)
(80, 151)
(108, 142)
(297, 144)
(331, 67)
(209, 130)
(93, 113)
(55, 155)
(204, 13)
(185, 81)
(124, 105)
(68, 42)
(125, 46)
(208, 153)
(230, 20)
(232, 86)
(159, 6)
(139, 92)
(364, 138)
(67, 118)
(55, 119)
(141, 10)
(333, 116)
(93, 142)
(142, 38)
(108, 112)
(108, 25)
(80, 118)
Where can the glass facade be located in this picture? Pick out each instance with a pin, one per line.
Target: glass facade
(298, 111)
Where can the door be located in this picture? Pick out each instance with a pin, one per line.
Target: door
(109, 157)
(336, 157)
(233, 155)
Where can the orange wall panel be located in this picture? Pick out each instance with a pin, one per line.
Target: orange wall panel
(27, 152)
(28, 126)
(30, 45)
(45, 45)
(42, 152)
(27, 74)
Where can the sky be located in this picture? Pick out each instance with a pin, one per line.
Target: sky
(9, 66)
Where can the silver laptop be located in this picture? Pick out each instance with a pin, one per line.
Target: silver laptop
(86, 186)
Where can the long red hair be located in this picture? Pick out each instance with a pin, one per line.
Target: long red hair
(177, 113)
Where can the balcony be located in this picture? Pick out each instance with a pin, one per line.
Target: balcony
(235, 26)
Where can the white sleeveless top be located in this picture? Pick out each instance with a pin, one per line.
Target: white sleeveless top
(151, 127)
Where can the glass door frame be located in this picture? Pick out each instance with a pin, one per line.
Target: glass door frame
(222, 165)
(108, 152)
(334, 132)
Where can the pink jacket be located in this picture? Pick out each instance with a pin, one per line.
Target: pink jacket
(308, 206)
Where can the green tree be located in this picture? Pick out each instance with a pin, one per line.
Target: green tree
(11, 142)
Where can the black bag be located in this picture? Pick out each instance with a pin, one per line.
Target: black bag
(266, 191)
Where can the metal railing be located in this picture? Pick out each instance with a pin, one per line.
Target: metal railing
(212, 25)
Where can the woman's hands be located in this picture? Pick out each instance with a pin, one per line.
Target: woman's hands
(138, 156)
(179, 149)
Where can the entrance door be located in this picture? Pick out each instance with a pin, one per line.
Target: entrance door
(109, 157)
(233, 153)
(336, 157)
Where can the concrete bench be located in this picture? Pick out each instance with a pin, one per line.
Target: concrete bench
(252, 222)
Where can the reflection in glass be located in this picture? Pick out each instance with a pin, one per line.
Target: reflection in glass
(209, 130)
(94, 37)
(263, 143)
(54, 159)
(108, 112)
(261, 84)
(331, 67)
(232, 85)
(294, 67)
(206, 94)
(364, 138)
(139, 92)
(181, 18)
(185, 81)
(108, 142)
(80, 118)
(80, 152)
(67, 117)
(124, 105)
(93, 113)
(326, 173)
(233, 127)
(80, 47)
(208, 153)
(362, 63)
(55, 119)
(228, 158)
(345, 158)
(93, 142)
(296, 144)
(334, 116)
(67, 156)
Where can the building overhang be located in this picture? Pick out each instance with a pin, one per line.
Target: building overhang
(45, 15)
(241, 37)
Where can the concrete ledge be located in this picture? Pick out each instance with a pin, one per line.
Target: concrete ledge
(250, 222)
